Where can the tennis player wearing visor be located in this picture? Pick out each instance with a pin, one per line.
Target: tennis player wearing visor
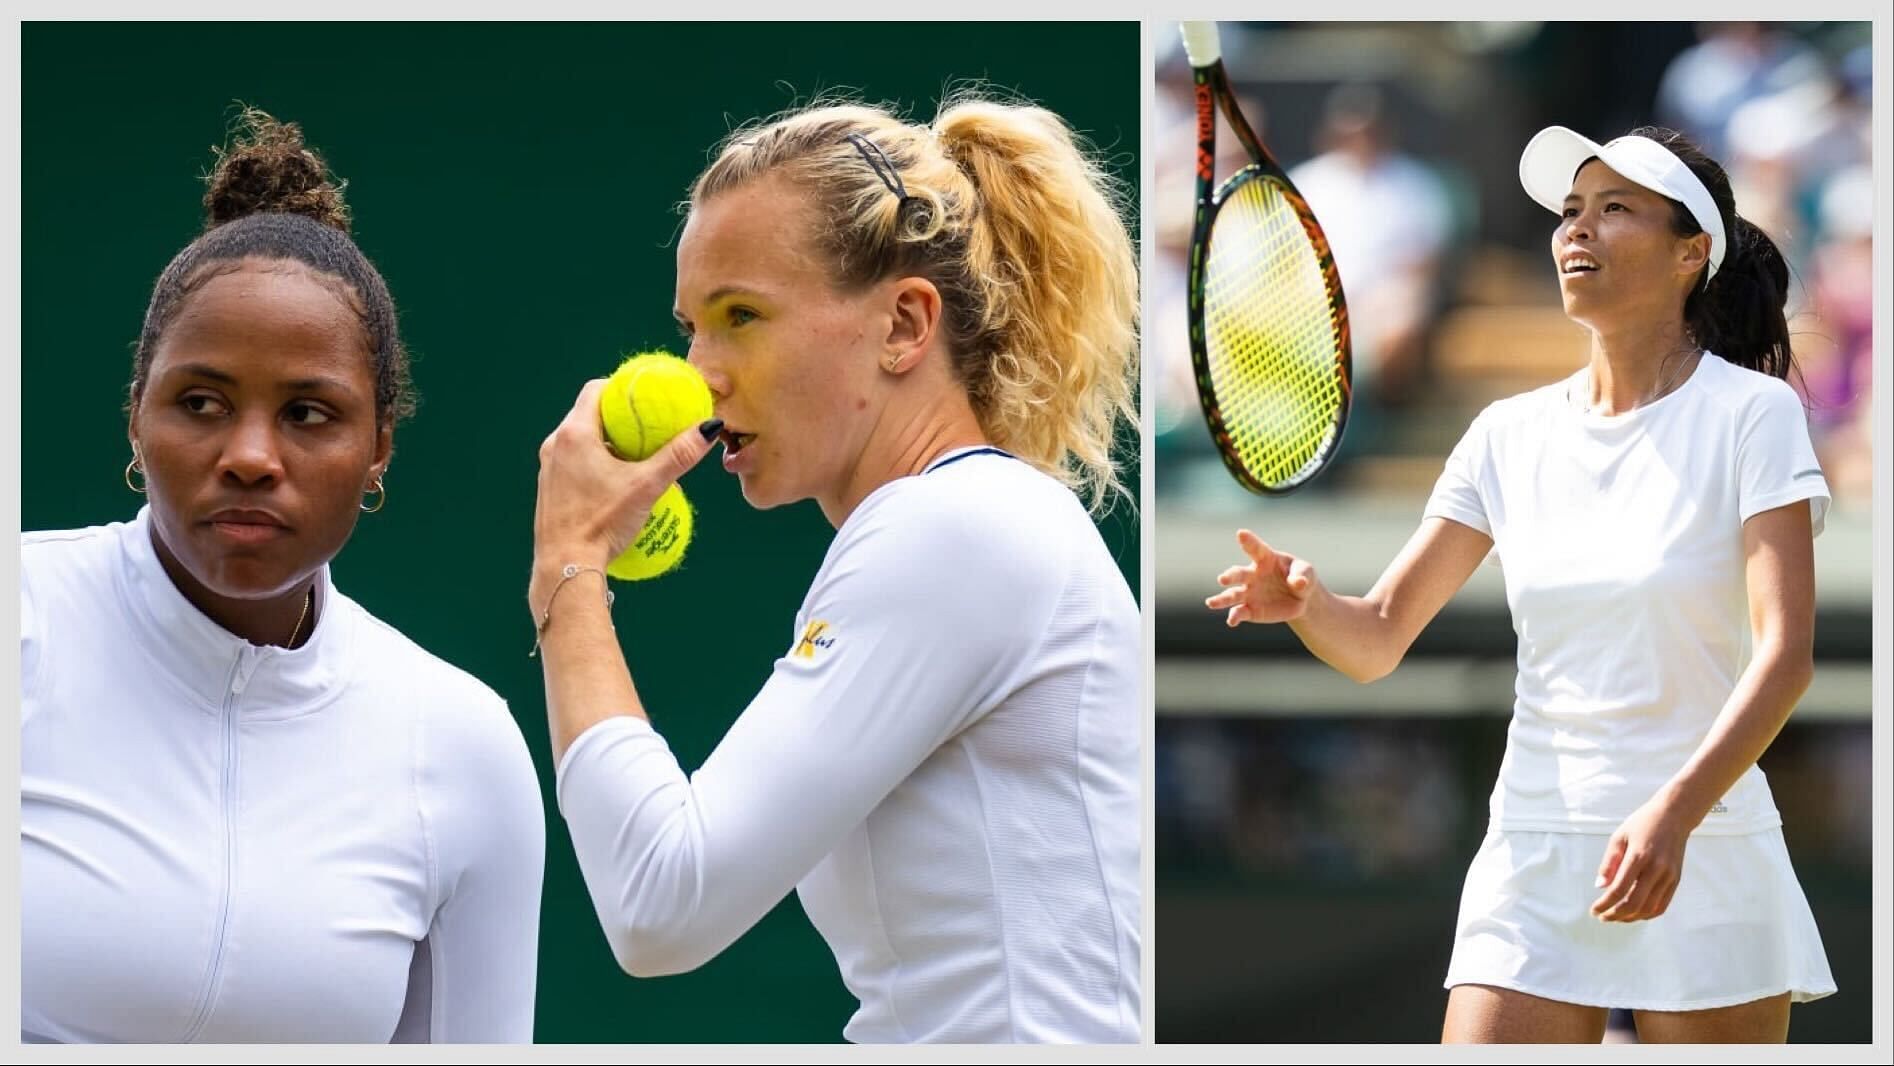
(1654, 515)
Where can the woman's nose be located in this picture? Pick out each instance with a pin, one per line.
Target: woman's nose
(252, 453)
(700, 356)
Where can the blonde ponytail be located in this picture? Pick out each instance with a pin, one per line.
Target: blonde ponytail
(1022, 233)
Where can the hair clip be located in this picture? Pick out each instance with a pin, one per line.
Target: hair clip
(879, 162)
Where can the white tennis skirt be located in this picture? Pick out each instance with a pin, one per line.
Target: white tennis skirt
(1738, 928)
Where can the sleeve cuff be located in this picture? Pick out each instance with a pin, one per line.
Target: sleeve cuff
(1471, 519)
(1816, 493)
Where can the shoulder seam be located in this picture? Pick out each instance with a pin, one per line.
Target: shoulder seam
(58, 536)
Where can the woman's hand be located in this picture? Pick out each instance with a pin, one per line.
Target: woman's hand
(1274, 587)
(592, 503)
(1644, 861)
(1645, 857)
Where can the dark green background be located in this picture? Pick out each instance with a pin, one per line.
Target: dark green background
(515, 185)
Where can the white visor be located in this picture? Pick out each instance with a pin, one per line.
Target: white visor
(1553, 156)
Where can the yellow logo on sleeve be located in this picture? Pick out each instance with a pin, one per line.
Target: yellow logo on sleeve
(815, 636)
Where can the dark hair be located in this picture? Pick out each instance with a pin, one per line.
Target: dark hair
(270, 197)
(1739, 313)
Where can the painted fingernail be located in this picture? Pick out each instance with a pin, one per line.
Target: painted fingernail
(711, 428)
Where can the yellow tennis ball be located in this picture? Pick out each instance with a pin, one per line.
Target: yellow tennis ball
(660, 545)
(650, 398)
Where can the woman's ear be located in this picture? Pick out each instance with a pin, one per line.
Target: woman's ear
(384, 449)
(1694, 254)
(914, 319)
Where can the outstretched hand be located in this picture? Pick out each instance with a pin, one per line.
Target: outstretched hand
(1273, 587)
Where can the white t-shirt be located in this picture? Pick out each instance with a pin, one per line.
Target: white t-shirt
(1621, 539)
(229, 843)
(944, 763)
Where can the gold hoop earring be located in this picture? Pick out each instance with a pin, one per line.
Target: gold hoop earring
(133, 468)
(381, 497)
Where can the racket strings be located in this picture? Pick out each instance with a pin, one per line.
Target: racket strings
(1272, 335)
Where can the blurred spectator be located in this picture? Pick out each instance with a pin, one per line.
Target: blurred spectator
(1388, 220)
(1784, 148)
(1197, 781)
(1736, 62)
(1796, 137)
(1836, 354)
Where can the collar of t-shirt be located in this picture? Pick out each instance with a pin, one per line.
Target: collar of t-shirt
(215, 664)
(957, 454)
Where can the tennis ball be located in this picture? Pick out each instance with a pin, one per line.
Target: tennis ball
(659, 546)
(650, 398)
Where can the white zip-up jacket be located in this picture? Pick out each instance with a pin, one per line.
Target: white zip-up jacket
(232, 843)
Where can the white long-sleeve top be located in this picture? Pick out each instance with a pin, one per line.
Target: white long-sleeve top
(944, 763)
(224, 842)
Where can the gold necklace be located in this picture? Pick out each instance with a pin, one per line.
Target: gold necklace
(304, 617)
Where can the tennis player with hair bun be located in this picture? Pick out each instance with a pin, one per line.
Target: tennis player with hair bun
(930, 331)
(1654, 515)
(251, 812)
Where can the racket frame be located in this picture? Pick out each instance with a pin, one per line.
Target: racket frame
(1212, 92)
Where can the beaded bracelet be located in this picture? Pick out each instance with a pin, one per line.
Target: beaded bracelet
(566, 573)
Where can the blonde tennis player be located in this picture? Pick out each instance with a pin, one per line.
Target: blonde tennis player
(1654, 515)
(929, 330)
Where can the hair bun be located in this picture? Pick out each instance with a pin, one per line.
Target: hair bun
(267, 168)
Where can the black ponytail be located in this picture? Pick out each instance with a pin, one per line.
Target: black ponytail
(1740, 314)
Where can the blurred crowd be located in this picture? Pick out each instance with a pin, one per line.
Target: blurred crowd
(1791, 122)
(1361, 799)
(1329, 799)
(1405, 139)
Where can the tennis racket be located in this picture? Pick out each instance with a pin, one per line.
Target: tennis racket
(1268, 325)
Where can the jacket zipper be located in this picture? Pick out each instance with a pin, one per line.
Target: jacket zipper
(240, 672)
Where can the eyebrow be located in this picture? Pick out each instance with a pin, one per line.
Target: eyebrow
(717, 295)
(205, 370)
(1615, 190)
(725, 292)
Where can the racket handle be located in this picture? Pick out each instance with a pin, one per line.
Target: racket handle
(1200, 43)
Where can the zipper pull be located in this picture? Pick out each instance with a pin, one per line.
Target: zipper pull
(247, 660)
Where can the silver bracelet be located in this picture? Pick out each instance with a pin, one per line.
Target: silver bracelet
(566, 573)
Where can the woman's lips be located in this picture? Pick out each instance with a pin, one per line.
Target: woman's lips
(736, 458)
(248, 534)
(736, 446)
(247, 528)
